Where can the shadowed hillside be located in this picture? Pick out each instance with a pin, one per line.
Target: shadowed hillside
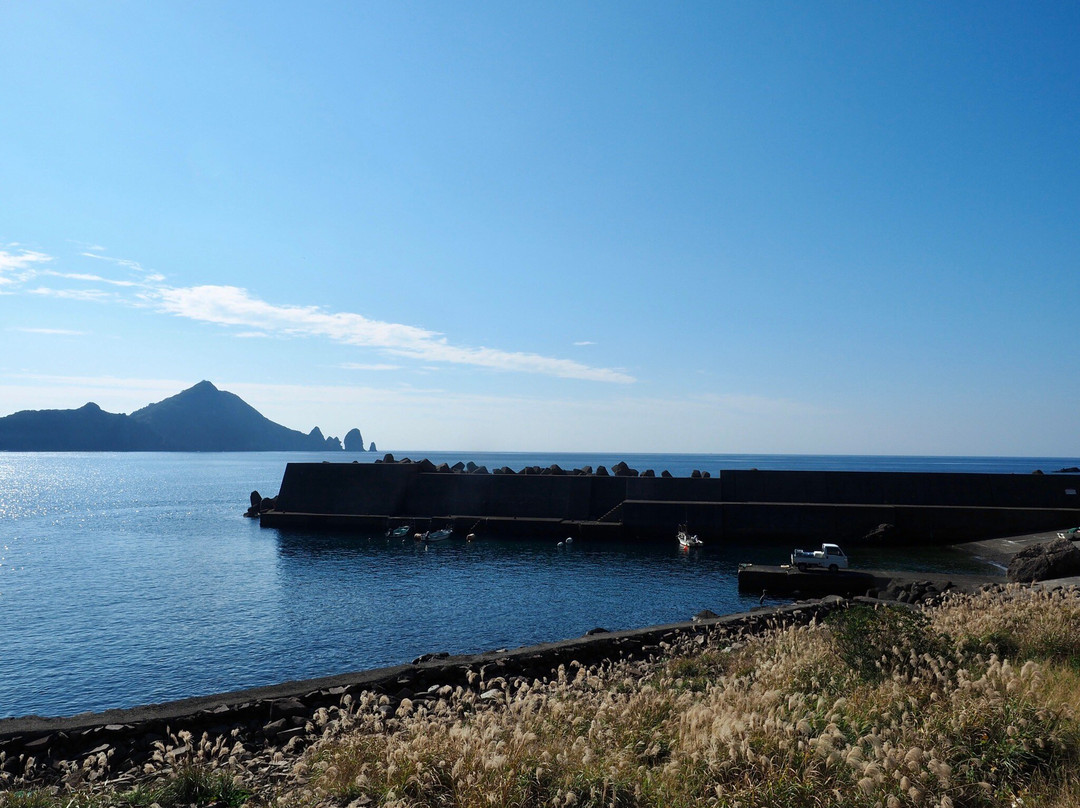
(199, 419)
(87, 429)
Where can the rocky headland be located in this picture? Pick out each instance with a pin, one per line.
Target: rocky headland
(199, 419)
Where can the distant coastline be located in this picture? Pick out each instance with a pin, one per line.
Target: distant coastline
(199, 419)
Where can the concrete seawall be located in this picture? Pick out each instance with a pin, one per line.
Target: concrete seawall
(734, 504)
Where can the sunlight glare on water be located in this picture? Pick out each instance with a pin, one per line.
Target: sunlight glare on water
(129, 579)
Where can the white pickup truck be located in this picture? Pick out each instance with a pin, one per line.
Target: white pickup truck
(830, 556)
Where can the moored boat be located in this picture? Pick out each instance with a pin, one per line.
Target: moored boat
(688, 539)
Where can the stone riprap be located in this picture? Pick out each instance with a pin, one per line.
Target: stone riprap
(258, 722)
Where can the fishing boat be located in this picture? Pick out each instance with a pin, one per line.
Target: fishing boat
(399, 532)
(688, 539)
(438, 535)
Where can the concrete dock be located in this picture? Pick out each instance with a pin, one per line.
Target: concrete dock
(789, 582)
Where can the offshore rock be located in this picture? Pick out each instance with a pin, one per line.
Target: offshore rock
(354, 441)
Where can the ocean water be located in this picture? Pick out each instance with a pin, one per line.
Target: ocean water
(130, 579)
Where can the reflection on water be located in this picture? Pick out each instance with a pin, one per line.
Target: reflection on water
(466, 597)
(130, 579)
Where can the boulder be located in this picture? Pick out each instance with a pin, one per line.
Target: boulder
(1059, 558)
(256, 501)
(387, 458)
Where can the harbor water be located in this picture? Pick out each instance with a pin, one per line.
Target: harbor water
(130, 579)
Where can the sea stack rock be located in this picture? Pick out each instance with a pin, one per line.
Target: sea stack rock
(354, 441)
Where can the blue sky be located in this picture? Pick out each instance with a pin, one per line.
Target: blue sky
(715, 227)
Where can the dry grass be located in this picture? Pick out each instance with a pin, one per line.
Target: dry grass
(969, 705)
(808, 716)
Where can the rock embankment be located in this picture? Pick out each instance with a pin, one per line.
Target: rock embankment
(620, 469)
(1058, 558)
(256, 727)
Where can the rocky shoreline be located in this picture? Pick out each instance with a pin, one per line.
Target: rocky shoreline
(263, 723)
(263, 727)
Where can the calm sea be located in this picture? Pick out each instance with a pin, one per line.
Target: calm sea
(130, 579)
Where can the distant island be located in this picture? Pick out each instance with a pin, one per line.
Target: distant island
(199, 419)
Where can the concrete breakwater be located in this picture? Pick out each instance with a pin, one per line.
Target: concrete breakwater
(625, 503)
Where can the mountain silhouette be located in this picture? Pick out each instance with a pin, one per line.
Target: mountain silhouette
(199, 419)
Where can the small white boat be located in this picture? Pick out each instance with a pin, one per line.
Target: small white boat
(438, 535)
(687, 539)
(400, 532)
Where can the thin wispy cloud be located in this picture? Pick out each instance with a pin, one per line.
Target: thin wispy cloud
(63, 332)
(81, 276)
(584, 342)
(147, 275)
(361, 366)
(87, 295)
(234, 307)
(19, 265)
